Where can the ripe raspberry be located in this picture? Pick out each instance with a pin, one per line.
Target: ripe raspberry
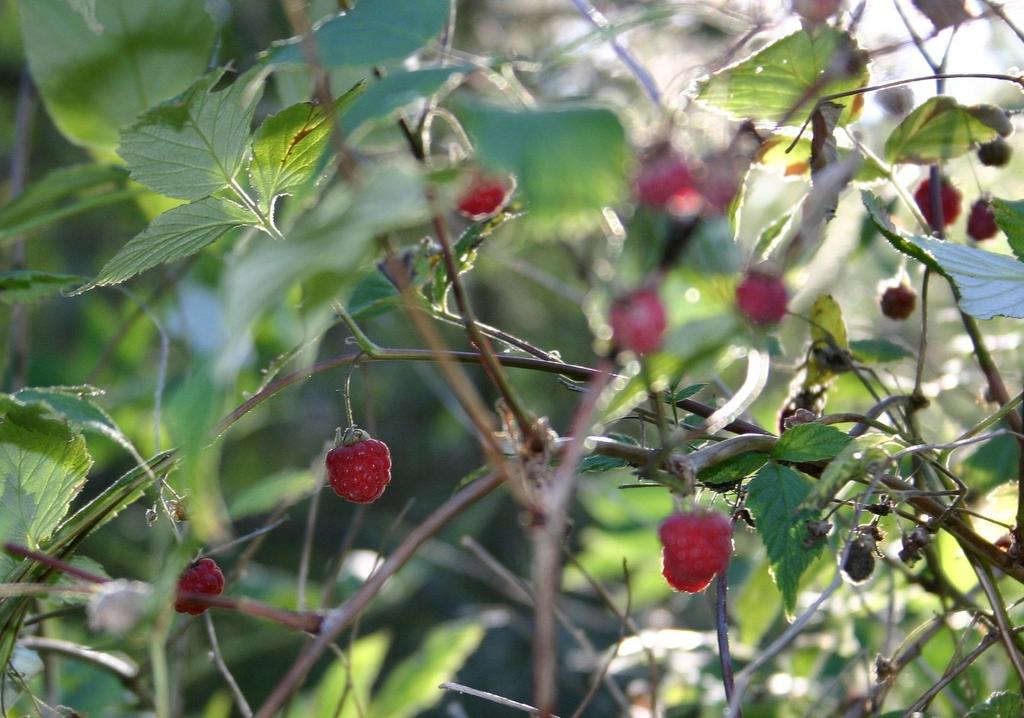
(981, 222)
(205, 577)
(898, 301)
(666, 182)
(995, 153)
(762, 298)
(950, 196)
(638, 321)
(359, 469)
(483, 198)
(696, 547)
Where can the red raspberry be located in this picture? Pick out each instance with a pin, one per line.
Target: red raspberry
(638, 321)
(483, 198)
(762, 298)
(696, 547)
(898, 301)
(205, 577)
(359, 472)
(981, 222)
(950, 202)
(666, 182)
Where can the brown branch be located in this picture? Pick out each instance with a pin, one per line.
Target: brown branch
(341, 617)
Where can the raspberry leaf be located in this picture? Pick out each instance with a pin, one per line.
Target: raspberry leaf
(810, 442)
(396, 91)
(97, 72)
(781, 82)
(900, 240)
(938, 130)
(340, 680)
(1010, 218)
(775, 497)
(877, 351)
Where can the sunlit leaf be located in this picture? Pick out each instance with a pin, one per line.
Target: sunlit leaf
(938, 130)
(1010, 218)
(810, 442)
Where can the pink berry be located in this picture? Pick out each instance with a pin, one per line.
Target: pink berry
(762, 298)
(950, 200)
(816, 11)
(638, 321)
(666, 182)
(981, 222)
(203, 577)
(359, 472)
(696, 546)
(484, 198)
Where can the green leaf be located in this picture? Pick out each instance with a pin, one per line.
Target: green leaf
(94, 82)
(22, 286)
(195, 144)
(810, 442)
(687, 391)
(781, 82)
(1010, 219)
(853, 462)
(357, 672)
(663, 369)
(373, 295)
(37, 206)
(177, 233)
(990, 284)
(733, 469)
(73, 404)
(878, 351)
(288, 147)
(938, 130)
(396, 91)
(775, 497)
(796, 162)
(280, 489)
(373, 33)
(992, 465)
(570, 162)
(412, 686)
(596, 463)
(1001, 704)
(900, 240)
(43, 463)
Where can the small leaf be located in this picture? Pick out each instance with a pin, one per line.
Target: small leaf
(570, 162)
(43, 462)
(687, 391)
(1001, 704)
(825, 153)
(394, 92)
(412, 687)
(775, 497)
(853, 462)
(781, 82)
(177, 233)
(74, 405)
(288, 146)
(95, 82)
(373, 33)
(375, 294)
(596, 463)
(878, 351)
(195, 144)
(993, 464)
(733, 469)
(1010, 218)
(902, 241)
(795, 163)
(938, 130)
(990, 284)
(810, 442)
(22, 286)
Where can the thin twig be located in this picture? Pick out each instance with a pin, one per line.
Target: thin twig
(218, 661)
(722, 631)
(126, 671)
(492, 697)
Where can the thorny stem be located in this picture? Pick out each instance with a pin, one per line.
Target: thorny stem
(722, 631)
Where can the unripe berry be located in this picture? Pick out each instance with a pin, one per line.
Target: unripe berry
(995, 153)
(483, 198)
(898, 301)
(981, 222)
(638, 321)
(203, 577)
(762, 298)
(696, 546)
(950, 200)
(897, 101)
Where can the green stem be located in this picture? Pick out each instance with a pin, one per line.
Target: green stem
(365, 343)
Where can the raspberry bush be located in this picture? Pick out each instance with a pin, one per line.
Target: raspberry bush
(583, 266)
